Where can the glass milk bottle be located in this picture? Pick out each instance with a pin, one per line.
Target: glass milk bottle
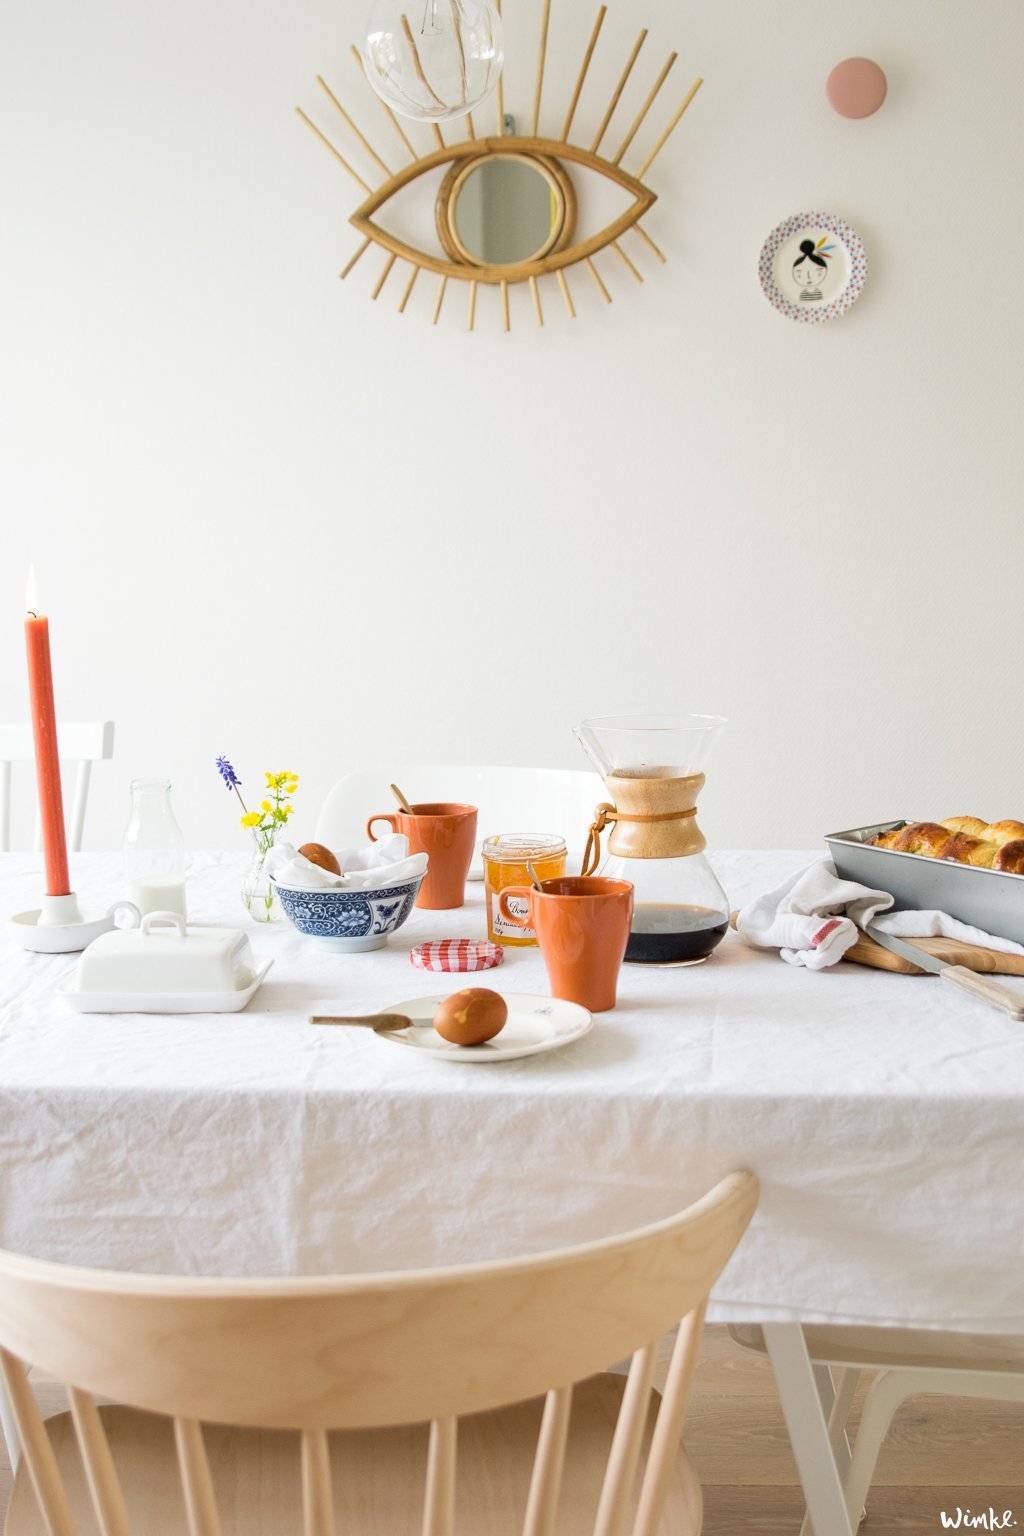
(154, 850)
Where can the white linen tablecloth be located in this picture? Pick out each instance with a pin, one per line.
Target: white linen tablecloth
(883, 1114)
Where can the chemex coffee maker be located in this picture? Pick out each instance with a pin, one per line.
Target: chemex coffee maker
(652, 767)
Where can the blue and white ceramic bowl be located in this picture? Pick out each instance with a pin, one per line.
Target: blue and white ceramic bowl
(350, 920)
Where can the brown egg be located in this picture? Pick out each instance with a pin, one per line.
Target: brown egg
(316, 853)
(471, 1016)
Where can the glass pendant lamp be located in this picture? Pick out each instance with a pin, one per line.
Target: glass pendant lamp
(433, 59)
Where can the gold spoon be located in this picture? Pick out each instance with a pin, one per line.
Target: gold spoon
(382, 1023)
(533, 877)
(403, 802)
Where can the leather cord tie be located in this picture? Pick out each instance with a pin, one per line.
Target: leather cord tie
(604, 815)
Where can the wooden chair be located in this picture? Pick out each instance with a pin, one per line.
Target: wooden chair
(908, 1361)
(560, 800)
(79, 744)
(349, 1398)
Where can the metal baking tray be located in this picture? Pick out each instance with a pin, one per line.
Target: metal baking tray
(987, 898)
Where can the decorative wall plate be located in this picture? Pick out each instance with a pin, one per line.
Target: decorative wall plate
(812, 267)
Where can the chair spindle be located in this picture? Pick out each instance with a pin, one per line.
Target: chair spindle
(317, 1496)
(5, 807)
(36, 1448)
(104, 1486)
(625, 1452)
(668, 1429)
(548, 1464)
(196, 1482)
(439, 1504)
(78, 805)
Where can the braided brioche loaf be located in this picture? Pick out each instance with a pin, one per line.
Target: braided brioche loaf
(965, 839)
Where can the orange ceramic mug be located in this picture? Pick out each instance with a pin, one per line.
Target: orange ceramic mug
(446, 833)
(582, 926)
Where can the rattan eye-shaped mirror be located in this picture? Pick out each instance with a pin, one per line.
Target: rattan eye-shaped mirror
(506, 209)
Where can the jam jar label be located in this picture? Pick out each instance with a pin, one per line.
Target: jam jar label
(506, 930)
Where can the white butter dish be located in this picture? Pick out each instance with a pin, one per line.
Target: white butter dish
(160, 1002)
(164, 955)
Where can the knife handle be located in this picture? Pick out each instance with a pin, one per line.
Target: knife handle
(984, 990)
(377, 1021)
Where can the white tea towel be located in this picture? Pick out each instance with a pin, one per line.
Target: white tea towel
(386, 862)
(814, 918)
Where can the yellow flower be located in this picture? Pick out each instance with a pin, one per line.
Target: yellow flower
(282, 783)
(264, 805)
(289, 809)
(251, 819)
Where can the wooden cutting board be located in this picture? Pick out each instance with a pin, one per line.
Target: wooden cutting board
(973, 956)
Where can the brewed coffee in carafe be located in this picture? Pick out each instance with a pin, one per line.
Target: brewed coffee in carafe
(652, 768)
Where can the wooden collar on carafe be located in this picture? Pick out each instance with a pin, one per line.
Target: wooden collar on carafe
(652, 818)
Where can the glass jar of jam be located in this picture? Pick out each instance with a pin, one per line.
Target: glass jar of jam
(505, 861)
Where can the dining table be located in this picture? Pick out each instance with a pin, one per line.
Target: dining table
(883, 1115)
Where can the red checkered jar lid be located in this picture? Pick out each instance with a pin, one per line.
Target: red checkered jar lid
(457, 955)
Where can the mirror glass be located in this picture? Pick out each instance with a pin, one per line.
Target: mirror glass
(506, 211)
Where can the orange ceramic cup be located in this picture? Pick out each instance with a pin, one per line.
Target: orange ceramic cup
(446, 833)
(582, 924)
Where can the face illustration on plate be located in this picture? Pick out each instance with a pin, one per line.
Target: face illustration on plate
(810, 269)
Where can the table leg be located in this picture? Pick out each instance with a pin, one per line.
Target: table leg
(826, 1387)
(10, 1432)
(829, 1395)
(808, 1429)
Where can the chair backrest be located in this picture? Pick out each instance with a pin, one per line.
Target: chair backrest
(354, 1352)
(559, 800)
(80, 744)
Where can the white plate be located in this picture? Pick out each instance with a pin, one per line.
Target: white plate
(534, 1024)
(158, 1002)
(812, 267)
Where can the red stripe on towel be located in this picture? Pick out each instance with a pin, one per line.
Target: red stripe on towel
(823, 933)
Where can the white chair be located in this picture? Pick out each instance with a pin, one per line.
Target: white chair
(79, 744)
(246, 1402)
(909, 1361)
(559, 800)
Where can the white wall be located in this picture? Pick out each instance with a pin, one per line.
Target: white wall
(273, 519)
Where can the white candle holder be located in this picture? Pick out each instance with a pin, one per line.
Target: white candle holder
(58, 927)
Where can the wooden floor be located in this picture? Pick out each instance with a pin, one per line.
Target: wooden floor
(943, 1454)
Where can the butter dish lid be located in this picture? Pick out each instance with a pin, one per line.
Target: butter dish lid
(166, 954)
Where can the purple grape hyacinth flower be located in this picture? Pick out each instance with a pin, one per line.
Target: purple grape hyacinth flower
(227, 773)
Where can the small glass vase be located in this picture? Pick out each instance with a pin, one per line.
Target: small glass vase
(259, 897)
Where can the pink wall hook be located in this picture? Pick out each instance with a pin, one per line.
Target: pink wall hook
(856, 87)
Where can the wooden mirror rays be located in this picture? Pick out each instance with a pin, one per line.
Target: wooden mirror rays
(477, 162)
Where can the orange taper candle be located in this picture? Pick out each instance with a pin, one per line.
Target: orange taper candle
(44, 732)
